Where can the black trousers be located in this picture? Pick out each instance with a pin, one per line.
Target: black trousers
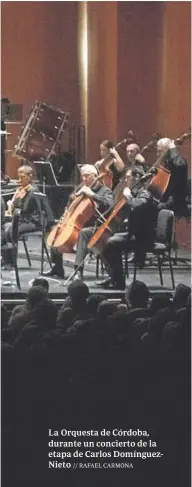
(112, 255)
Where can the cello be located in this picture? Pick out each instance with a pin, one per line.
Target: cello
(100, 238)
(157, 186)
(108, 160)
(64, 235)
(124, 181)
(160, 181)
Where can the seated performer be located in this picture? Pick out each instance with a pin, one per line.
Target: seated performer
(175, 195)
(117, 166)
(142, 216)
(24, 199)
(134, 158)
(103, 198)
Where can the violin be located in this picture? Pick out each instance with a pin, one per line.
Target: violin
(20, 193)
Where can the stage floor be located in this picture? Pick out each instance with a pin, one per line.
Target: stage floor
(58, 288)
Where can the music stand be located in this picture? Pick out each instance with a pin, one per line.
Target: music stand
(45, 173)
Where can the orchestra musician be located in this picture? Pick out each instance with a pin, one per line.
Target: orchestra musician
(102, 196)
(117, 166)
(142, 216)
(134, 157)
(175, 195)
(24, 199)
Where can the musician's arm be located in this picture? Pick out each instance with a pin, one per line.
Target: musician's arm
(134, 201)
(105, 199)
(117, 161)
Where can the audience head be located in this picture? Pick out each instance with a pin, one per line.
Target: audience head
(180, 296)
(137, 295)
(40, 281)
(106, 309)
(65, 318)
(35, 296)
(158, 322)
(160, 301)
(93, 302)
(46, 314)
(78, 292)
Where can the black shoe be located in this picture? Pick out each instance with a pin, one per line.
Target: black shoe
(110, 284)
(78, 276)
(107, 284)
(54, 272)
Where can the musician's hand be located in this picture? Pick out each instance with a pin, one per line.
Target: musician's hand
(139, 158)
(127, 192)
(114, 153)
(97, 164)
(86, 191)
(172, 144)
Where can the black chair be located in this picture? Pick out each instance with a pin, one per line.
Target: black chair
(12, 246)
(185, 213)
(163, 243)
(47, 221)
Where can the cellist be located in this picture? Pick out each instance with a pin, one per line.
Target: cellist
(175, 195)
(142, 216)
(116, 167)
(102, 197)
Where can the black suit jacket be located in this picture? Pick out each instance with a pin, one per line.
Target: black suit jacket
(30, 207)
(103, 197)
(175, 195)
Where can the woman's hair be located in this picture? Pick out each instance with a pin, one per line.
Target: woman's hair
(108, 143)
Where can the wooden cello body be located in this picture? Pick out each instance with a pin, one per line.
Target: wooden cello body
(100, 238)
(64, 235)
